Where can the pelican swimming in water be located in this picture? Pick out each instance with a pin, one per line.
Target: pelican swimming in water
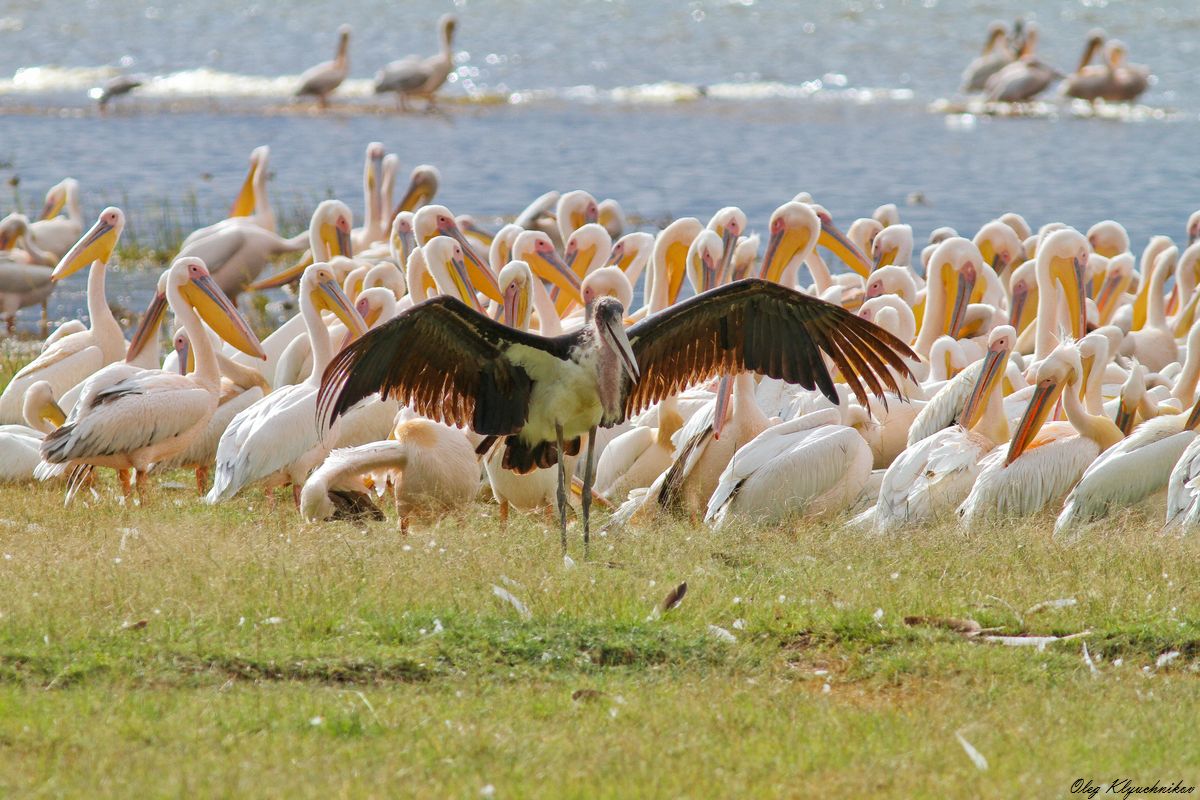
(1129, 81)
(1089, 81)
(414, 76)
(1023, 79)
(544, 394)
(324, 79)
(997, 53)
(153, 415)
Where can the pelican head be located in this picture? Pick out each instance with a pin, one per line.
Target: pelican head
(183, 352)
(422, 187)
(386, 275)
(500, 252)
(373, 167)
(444, 257)
(57, 197)
(1132, 393)
(446, 25)
(1018, 224)
(1193, 228)
(516, 284)
(893, 245)
(536, 249)
(999, 246)
(863, 232)
(612, 217)
(246, 200)
(329, 230)
(38, 406)
(704, 260)
(190, 278)
(892, 280)
(1062, 261)
(670, 253)
(319, 285)
(433, 221)
(1050, 377)
(630, 250)
(97, 244)
(608, 316)
(939, 235)
(729, 223)
(375, 305)
(954, 268)
(588, 247)
(1108, 238)
(794, 230)
(14, 230)
(401, 240)
(837, 243)
(607, 282)
(1001, 342)
(1117, 51)
(151, 321)
(1117, 279)
(887, 215)
(576, 209)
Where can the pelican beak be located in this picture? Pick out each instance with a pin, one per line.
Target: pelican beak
(840, 245)
(1183, 322)
(480, 273)
(676, 269)
(728, 243)
(328, 296)
(419, 193)
(403, 243)
(512, 300)
(965, 281)
(148, 328)
(1193, 418)
(284, 277)
(721, 405)
(484, 238)
(54, 204)
(1088, 363)
(6, 241)
(1110, 292)
(620, 342)
(463, 283)
(1070, 275)
(183, 350)
(1045, 397)
(203, 294)
(51, 412)
(782, 247)
(549, 266)
(1125, 416)
(370, 315)
(1020, 296)
(243, 204)
(886, 258)
(96, 245)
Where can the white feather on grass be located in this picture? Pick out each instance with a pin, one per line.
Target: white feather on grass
(976, 757)
(511, 599)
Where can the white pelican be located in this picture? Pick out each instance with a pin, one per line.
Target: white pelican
(1043, 460)
(996, 54)
(1154, 343)
(72, 358)
(1183, 487)
(24, 273)
(153, 415)
(414, 76)
(422, 188)
(1060, 268)
(1131, 470)
(20, 445)
(1108, 238)
(1128, 80)
(431, 221)
(323, 79)
(55, 231)
(252, 204)
(574, 210)
(1193, 228)
(276, 440)
(1089, 81)
(544, 394)
(811, 466)
(239, 251)
(936, 473)
(1024, 78)
(668, 261)
(892, 245)
(999, 246)
(431, 468)
(631, 253)
(612, 217)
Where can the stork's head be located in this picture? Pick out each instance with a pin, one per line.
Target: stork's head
(609, 319)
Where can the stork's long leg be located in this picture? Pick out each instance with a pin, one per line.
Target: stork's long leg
(589, 473)
(562, 488)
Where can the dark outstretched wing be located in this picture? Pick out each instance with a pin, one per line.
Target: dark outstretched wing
(762, 327)
(444, 360)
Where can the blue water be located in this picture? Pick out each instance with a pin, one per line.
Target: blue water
(846, 114)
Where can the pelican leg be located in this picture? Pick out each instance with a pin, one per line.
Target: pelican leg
(562, 488)
(296, 494)
(589, 473)
(504, 515)
(201, 480)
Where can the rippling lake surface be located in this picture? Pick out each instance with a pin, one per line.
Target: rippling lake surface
(672, 108)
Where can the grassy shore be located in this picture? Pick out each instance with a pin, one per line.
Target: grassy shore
(180, 649)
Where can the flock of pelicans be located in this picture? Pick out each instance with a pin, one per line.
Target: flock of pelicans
(1009, 69)
(408, 78)
(993, 376)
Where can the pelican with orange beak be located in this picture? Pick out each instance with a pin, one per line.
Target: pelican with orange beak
(1044, 459)
(153, 415)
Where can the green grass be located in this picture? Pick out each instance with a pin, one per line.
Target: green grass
(176, 649)
(181, 649)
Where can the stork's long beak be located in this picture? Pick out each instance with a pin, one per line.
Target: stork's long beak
(149, 326)
(1045, 396)
(620, 341)
(243, 204)
(203, 294)
(721, 405)
(782, 247)
(840, 245)
(479, 272)
(285, 276)
(96, 245)
(328, 296)
(989, 376)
